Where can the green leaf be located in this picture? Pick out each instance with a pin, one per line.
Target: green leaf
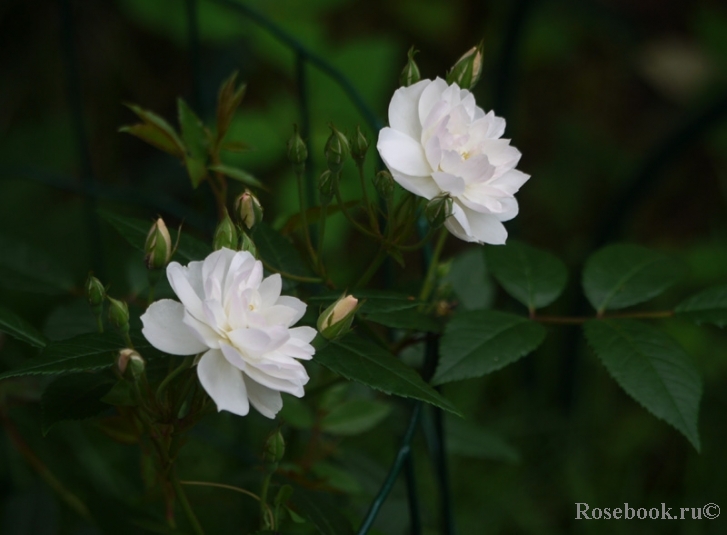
(75, 397)
(337, 478)
(155, 121)
(228, 100)
(235, 146)
(535, 278)
(313, 216)
(468, 278)
(652, 369)
(134, 230)
(361, 360)
(481, 341)
(321, 511)
(193, 132)
(622, 275)
(238, 174)
(196, 170)
(296, 414)
(708, 306)
(468, 439)
(277, 252)
(87, 352)
(355, 416)
(24, 268)
(18, 328)
(120, 394)
(155, 137)
(406, 319)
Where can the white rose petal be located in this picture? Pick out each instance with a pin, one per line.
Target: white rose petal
(241, 323)
(439, 141)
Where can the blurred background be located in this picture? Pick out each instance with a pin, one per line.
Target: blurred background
(619, 109)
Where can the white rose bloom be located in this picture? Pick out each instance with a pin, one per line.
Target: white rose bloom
(241, 324)
(440, 141)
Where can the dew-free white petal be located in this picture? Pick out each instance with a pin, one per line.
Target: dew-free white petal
(402, 153)
(223, 382)
(266, 401)
(165, 329)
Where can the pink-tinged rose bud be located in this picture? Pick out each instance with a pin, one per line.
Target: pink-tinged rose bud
(335, 321)
(158, 246)
(129, 358)
(248, 209)
(468, 69)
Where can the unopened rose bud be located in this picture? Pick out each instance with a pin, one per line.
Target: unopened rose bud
(248, 245)
(325, 186)
(438, 210)
(95, 292)
(225, 234)
(335, 321)
(129, 358)
(337, 148)
(248, 209)
(384, 184)
(158, 246)
(468, 69)
(274, 450)
(297, 151)
(410, 75)
(119, 314)
(359, 147)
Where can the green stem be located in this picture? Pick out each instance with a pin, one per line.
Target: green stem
(99, 322)
(161, 390)
(321, 235)
(179, 491)
(367, 203)
(304, 217)
(358, 226)
(264, 519)
(286, 275)
(70, 499)
(373, 267)
(432, 271)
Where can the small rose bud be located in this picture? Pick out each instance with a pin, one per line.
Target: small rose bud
(438, 210)
(359, 147)
(325, 186)
(384, 184)
(248, 245)
(248, 209)
(95, 292)
(335, 321)
(337, 148)
(225, 234)
(468, 69)
(158, 246)
(127, 356)
(274, 450)
(297, 151)
(119, 314)
(410, 75)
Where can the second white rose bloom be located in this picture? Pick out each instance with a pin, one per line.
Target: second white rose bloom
(242, 326)
(440, 141)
